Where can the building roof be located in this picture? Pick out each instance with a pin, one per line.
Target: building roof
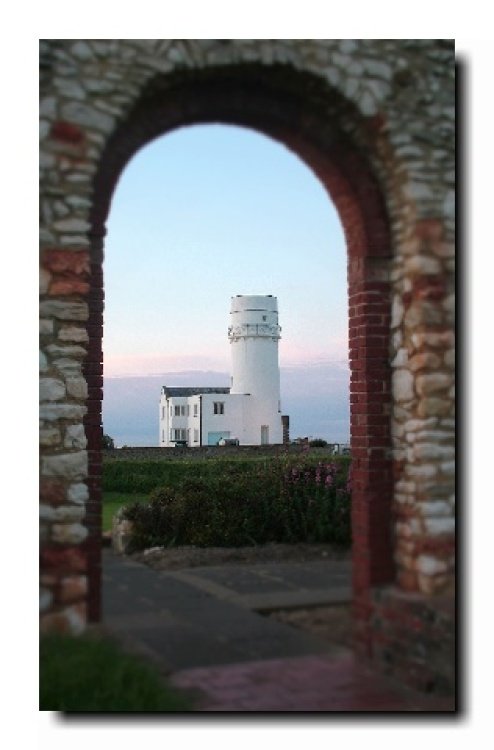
(184, 392)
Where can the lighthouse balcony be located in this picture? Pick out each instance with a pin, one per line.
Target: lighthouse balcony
(257, 330)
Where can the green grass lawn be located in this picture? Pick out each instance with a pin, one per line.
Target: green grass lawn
(112, 501)
(90, 673)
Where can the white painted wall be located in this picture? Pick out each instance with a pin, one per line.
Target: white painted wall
(232, 421)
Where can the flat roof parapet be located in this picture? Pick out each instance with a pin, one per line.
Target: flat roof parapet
(183, 392)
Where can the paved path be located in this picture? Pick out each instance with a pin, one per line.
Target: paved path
(204, 616)
(327, 683)
(202, 627)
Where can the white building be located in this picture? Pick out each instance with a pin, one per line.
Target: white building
(249, 411)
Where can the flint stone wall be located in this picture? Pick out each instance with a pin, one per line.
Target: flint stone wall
(395, 101)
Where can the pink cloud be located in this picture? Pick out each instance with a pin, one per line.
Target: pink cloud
(124, 365)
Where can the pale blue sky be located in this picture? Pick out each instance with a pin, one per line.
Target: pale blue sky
(202, 214)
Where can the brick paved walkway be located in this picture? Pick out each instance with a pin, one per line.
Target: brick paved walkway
(308, 683)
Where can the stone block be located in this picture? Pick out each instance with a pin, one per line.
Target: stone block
(62, 261)
(82, 51)
(70, 559)
(54, 412)
(77, 387)
(409, 528)
(44, 533)
(448, 468)
(397, 311)
(74, 334)
(428, 565)
(432, 382)
(434, 584)
(64, 310)
(68, 513)
(70, 621)
(87, 116)
(73, 352)
(45, 599)
(51, 389)
(78, 201)
(72, 589)
(47, 107)
(438, 407)
(379, 69)
(46, 327)
(401, 358)
(46, 513)
(49, 437)
(422, 471)
(423, 313)
(449, 204)
(70, 88)
(74, 533)
(423, 264)
(44, 280)
(67, 465)
(75, 437)
(443, 340)
(432, 451)
(67, 287)
(440, 525)
(435, 508)
(78, 493)
(52, 491)
(449, 358)
(425, 361)
(414, 425)
(70, 240)
(69, 368)
(402, 384)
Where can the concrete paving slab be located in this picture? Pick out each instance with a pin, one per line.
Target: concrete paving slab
(186, 626)
(265, 587)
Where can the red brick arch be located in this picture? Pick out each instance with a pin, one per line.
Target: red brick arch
(300, 111)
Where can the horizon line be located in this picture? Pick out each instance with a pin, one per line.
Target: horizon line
(292, 365)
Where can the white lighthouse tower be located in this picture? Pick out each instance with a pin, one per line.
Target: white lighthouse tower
(254, 334)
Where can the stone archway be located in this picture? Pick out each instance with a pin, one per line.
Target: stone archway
(278, 105)
(374, 120)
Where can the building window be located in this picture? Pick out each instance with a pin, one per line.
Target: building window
(196, 436)
(177, 411)
(219, 407)
(195, 410)
(179, 433)
(162, 412)
(183, 410)
(171, 411)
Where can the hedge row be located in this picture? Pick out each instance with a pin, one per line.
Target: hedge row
(280, 501)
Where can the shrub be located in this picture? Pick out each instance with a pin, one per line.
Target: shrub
(285, 500)
(107, 443)
(318, 443)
